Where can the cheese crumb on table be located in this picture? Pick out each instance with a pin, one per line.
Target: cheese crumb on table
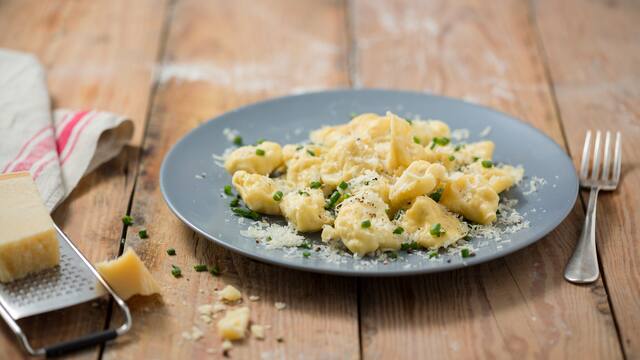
(128, 276)
(194, 335)
(234, 324)
(257, 331)
(229, 293)
(280, 305)
(254, 298)
(226, 345)
(28, 240)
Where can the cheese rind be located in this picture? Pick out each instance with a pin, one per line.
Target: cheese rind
(128, 276)
(28, 241)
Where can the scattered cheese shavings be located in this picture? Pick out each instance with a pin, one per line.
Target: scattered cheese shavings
(229, 293)
(257, 331)
(509, 221)
(226, 345)
(219, 308)
(254, 298)
(534, 184)
(485, 131)
(274, 235)
(280, 305)
(230, 133)
(460, 134)
(195, 334)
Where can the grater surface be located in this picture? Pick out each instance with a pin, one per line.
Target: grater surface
(68, 284)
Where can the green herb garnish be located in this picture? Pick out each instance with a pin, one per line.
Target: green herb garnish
(409, 246)
(215, 270)
(200, 267)
(143, 234)
(127, 220)
(311, 153)
(247, 213)
(466, 253)
(171, 252)
(409, 121)
(333, 199)
(260, 141)
(234, 203)
(458, 147)
(306, 254)
(305, 245)
(237, 140)
(399, 214)
(228, 190)
(399, 230)
(436, 230)
(277, 196)
(475, 158)
(301, 193)
(451, 157)
(487, 164)
(176, 271)
(299, 147)
(433, 254)
(416, 140)
(366, 224)
(260, 152)
(343, 185)
(392, 255)
(353, 114)
(442, 141)
(315, 185)
(436, 195)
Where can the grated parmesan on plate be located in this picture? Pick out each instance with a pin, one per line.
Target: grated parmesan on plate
(460, 134)
(534, 184)
(274, 236)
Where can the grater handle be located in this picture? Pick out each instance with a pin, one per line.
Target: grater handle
(80, 343)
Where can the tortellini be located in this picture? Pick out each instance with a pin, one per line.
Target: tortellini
(375, 183)
(259, 159)
(257, 192)
(431, 225)
(305, 210)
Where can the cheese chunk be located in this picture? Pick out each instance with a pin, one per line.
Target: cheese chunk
(28, 241)
(128, 276)
(229, 293)
(234, 324)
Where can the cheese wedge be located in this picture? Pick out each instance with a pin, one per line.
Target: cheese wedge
(234, 324)
(28, 241)
(128, 276)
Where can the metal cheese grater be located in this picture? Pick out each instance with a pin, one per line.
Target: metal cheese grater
(73, 282)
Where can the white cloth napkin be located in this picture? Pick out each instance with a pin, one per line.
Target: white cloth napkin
(57, 149)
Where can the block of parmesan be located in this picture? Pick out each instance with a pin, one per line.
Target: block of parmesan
(128, 276)
(28, 241)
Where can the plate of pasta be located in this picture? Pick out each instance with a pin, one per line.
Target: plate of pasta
(369, 182)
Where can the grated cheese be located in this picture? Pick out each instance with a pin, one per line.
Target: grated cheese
(534, 184)
(485, 131)
(460, 134)
(274, 236)
(230, 134)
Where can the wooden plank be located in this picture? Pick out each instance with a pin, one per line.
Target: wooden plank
(98, 54)
(519, 306)
(593, 51)
(220, 55)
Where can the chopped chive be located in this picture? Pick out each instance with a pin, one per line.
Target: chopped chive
(315, 185)
(277, 196)
(487, 164)
(143, 234)
(451, 157)
(475, 158)
(433, 146)
(436, 230)
(228, 190)
(234, 203)
(437, 195)
(466, 253)
(333, 199)
(127, 220)
(176, 271)
(200, 267)
(409, 121)
(442, 141)
(215, 270)
(260, 141)
(343, 185)
(305, 245)
(433, 254)
(171, 252)
(353, 114)
(458, 147)
(311, 153)
(399, 214)
(299, 147)
(237, 140)
(260, 152)
(409, 246)
(247, 213)
(392, 255)
(399, 230)
(416, 140)
(301, 193)
(366, 224)
(306, 254)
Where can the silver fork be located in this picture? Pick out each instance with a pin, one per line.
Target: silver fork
(583, 266)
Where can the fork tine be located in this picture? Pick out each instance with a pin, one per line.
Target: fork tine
(617, 158)
(595, 168)
(607, 156)
(584, 165)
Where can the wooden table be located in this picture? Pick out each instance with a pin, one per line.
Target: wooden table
(563, 66)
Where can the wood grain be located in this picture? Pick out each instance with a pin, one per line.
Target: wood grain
(520, 306)
(97, 54)
(593, 50)
(221, 55)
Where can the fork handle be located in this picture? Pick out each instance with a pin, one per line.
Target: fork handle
(583, 266)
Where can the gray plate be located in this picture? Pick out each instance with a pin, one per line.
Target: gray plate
(199, 202)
